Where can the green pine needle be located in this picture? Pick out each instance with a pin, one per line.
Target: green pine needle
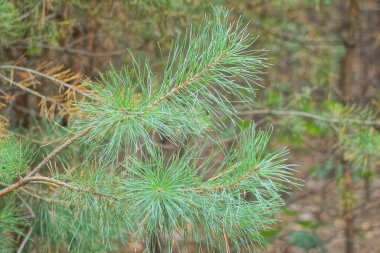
(208, 71)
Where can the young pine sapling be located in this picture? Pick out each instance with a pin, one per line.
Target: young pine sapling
(113, 184)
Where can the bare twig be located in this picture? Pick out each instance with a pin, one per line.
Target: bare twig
(27, 236)
(84, 52)
(22, 87)
(26, 239)
(71, 87)
(311, 116)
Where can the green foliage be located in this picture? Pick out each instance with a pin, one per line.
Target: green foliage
(137, 109)
(151, 197)
(167, 18)
(154, 199)
(12, 220)
(11, 26)
(361, 147)
(175, 197)
(306, 240)
(210, 61)
(66, 227)
(129, 188)
(15, 158)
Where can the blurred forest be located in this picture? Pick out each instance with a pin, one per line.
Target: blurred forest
(321, 93)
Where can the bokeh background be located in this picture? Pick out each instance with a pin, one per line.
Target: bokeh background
(320, 92)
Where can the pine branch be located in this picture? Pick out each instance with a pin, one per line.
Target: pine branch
(49, 77)
(226, 186)
(52, 182)
(25, 239)
(29, 177)
(154, 198)
(161, 200)
(202, 68)
(189, 81)
(31, 228)
(31, 91)
(57, 150)
(311, 116)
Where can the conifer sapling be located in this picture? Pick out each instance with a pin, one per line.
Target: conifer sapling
(113, 183)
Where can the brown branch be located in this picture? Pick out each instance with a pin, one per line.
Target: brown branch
(29, 177)
(22, 87)
(225, 186)
(224, 172)
(189, 81)
(25, 240)
(51, 182)
(71, 87)
(57, 150)
(24, 181)
(27, 236)
(311, 116)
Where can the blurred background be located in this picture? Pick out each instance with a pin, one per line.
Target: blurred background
(320, 92)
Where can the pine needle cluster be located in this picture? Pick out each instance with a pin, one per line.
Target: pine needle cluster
(207, 72)
(127, 188)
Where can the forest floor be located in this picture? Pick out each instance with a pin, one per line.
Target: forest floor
(318, 208)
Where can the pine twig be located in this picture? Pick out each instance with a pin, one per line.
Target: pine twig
(30, 177)
(52, 182)
(71, 87)
(226, 186)
(189, 81)
(311, 116)
(232, 184)
(58, 149)
(31, 228)
(33, 92)
(25, 240)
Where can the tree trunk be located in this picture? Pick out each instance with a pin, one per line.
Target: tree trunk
(350, 44)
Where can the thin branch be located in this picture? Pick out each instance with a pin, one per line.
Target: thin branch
(25, 240)
(52, 182)
(83, 52)
(32, 214)
(3, 92)
(57, 150)
(224, 172)
(311, 116)
(27, 236)
(232, 184)
(189, 81)
(71, 87)
(33, 92)
(225, 186)
(27, 180)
